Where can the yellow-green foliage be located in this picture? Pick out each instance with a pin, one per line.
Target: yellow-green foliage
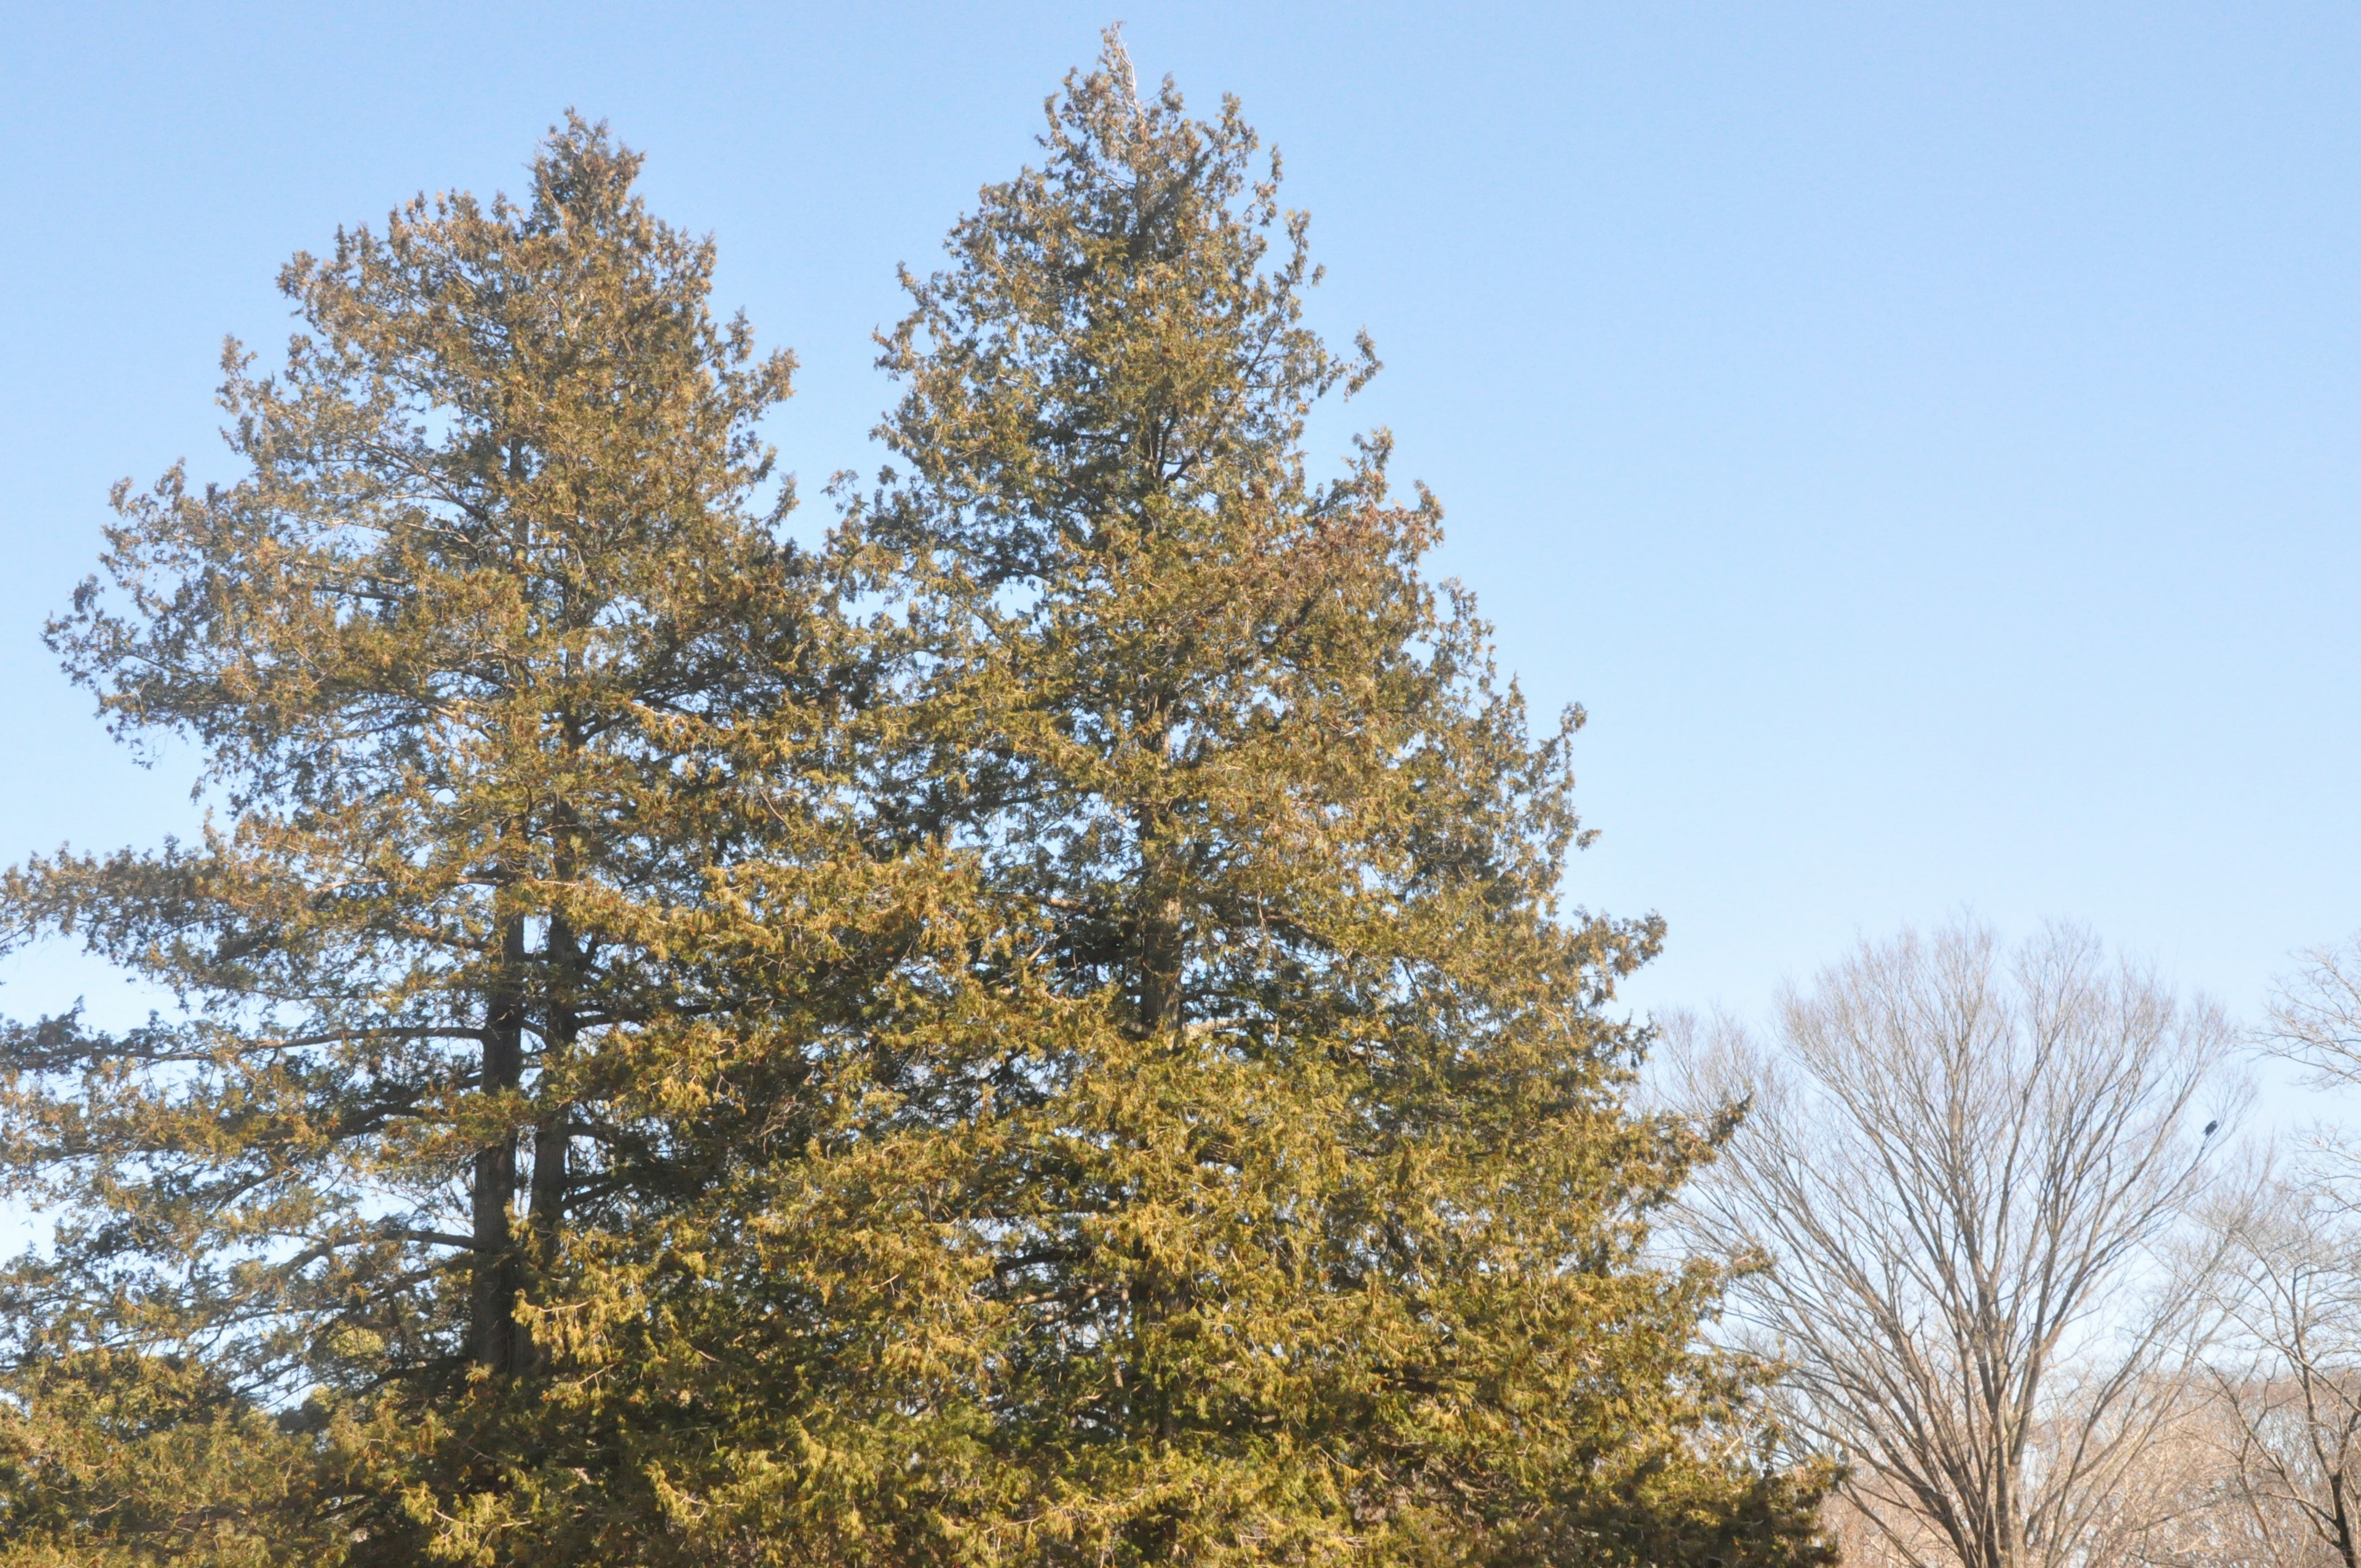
(1044, 1031)
(110, 1458)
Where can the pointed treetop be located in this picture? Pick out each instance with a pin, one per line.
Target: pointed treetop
(582, 169)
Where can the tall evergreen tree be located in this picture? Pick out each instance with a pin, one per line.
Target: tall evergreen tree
(462, 653)
(1329, 1238)
(1254, 1180)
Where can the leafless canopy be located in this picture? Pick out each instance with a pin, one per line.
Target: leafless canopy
(2285, 1379)
(2315, 1020)
(1957, 1166)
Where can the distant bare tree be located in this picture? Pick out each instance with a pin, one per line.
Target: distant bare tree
(2286, 1381)
(2180, 1506)
(2315, 1020)
(1958, 1170)
(2286, 1378)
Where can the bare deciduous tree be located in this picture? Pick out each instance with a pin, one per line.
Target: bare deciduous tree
(1958, 1168)
(2315, 1020)
(2285, 1379)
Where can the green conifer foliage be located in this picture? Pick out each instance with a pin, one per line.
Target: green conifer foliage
(109, 1459)
(1255, 1183)
(1042, 1033)
(462, 653)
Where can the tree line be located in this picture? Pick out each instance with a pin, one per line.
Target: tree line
(1036, 1027)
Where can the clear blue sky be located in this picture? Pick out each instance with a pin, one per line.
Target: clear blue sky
(1923, 437)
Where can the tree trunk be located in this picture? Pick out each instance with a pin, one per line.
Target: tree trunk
(551, 1132)
(1159, 917)
(1159, 967)
(492, 1333)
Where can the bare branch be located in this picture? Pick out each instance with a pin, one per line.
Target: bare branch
(1963, 1167)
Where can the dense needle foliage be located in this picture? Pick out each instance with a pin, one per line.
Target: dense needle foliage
(1042, 1031)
